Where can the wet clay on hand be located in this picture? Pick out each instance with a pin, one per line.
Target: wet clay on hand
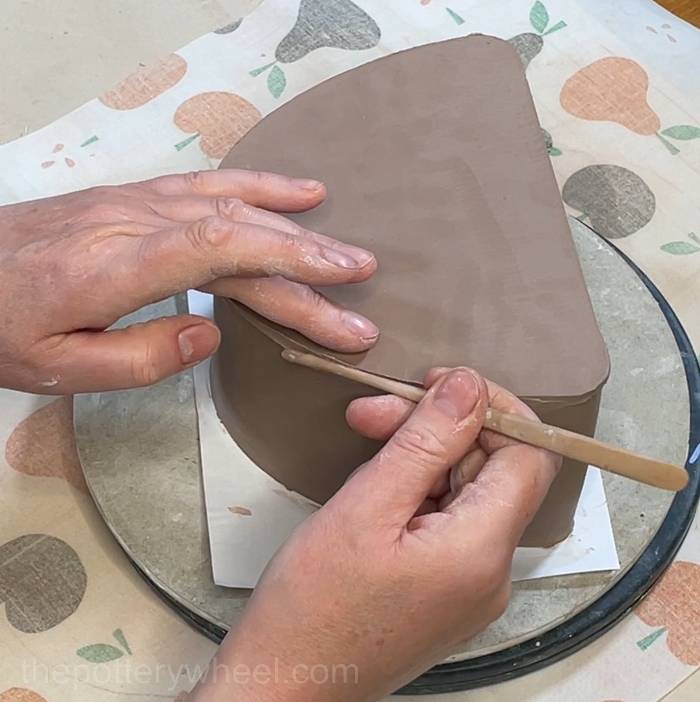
(435, 161)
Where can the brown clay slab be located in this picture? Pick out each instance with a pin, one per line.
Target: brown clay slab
(434, 159)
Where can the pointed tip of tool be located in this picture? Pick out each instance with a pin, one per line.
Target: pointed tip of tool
(291, 355)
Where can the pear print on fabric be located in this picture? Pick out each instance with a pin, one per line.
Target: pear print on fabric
(549, 144)
(338, 24)
(42, 582)
(614, 89)
(20, 694)
(218, 119)
(616, 201)
(674, 606)
(43, 445)
(529, 44)
(145, 85)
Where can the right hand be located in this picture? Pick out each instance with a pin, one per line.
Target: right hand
(397, 569)
(72, 265)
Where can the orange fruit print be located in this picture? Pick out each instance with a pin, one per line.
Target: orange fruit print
(144, 85)
(220, 119)
(674, 604)
(44, 445)
(614, 89)
(20, 694)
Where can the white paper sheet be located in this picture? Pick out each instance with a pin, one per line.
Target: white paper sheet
(250, 515)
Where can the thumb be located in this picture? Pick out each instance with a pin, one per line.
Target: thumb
(139, 355)
(437, 435)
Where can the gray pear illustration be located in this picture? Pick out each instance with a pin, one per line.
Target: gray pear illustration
(548, 143)
(42, 582)
(528, 45)
(230, 27)
(328, 23)
(616, 201)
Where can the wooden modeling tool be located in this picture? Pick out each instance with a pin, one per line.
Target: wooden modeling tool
(566, 443)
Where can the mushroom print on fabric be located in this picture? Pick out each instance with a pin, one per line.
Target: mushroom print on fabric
(529, 44)
(338, 24)
(616, 201)
(146, 84)
(674, 605)
(217, 119)
(42, 582)
(614, 89)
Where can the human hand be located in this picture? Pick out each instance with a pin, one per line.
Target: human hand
(72, 265)
(405, 562)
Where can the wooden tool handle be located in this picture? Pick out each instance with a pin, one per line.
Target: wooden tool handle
(566, 443)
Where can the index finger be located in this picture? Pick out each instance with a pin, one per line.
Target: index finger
(506, 494)
(269, 190)
(510, 488)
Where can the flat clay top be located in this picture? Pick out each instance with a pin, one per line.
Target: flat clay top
(434, 159)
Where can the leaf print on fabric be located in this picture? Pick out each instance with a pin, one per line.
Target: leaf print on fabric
(683, 248)
(42, 582)
(218, 120)
(335, 24)
(276, 81)
(104, 653)
(674, 604)
(529, 44)
(614, 89)
(456, 17)
(615, 200)
(684, 132)
(144, 85)
(100, 653)
(539, 19)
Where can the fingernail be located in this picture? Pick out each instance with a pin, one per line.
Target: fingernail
(457, 395)
(309, 184)
(360, 326)
(197, 342)
(348, 256)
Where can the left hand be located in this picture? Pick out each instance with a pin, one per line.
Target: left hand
(72, 265)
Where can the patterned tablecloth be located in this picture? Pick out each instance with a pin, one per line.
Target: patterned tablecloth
(617, 90)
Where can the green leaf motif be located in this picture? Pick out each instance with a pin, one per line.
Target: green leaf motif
(100, 653)
(276, 81)
(457, 18)
(555, 28)
(539, 17)
(185, 142)
(680, 248)
(554, 151)
(683, 132)
(650, 638)
(121, 639)
(261, 69)
(672, 149)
